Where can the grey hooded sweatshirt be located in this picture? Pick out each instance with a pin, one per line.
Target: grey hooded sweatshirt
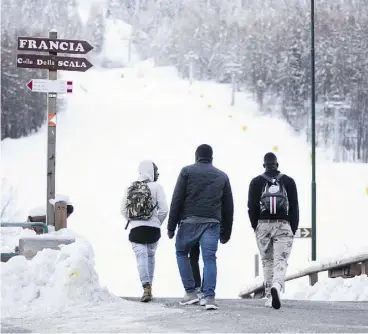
(146, 172)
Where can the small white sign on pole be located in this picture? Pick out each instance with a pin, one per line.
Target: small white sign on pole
(50, 86)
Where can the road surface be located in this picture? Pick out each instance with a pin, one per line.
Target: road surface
(233, 316)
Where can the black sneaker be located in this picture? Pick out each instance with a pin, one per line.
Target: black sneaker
(276, 301)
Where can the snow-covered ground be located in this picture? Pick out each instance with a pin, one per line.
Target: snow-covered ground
(63, 286)
(117, 117)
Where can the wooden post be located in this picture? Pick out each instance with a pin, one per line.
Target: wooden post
(364, 266)
(51, 143)
(313, 279)
(60, 215)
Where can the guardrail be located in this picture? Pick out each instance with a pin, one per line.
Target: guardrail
(36, 226)
(348, 267)
(39, 228)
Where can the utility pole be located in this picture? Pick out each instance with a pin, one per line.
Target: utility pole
(234, 69)
(51, 143)
(190, 56)
(313, 128)
(129, 48)
(337, 103)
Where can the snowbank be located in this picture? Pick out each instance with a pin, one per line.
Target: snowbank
(332, 289)
(52, 280)
(9, 237)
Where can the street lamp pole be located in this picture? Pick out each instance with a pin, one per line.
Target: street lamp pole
(313, 128)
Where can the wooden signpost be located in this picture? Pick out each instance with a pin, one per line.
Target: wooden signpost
(53, 63)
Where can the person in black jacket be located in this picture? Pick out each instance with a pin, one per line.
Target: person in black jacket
(274, 215)
(202, 206)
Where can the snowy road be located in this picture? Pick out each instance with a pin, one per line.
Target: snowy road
(247, 316)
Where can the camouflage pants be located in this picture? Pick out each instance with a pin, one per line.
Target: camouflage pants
(274, 241)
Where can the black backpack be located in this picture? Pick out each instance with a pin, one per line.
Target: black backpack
(274, 198)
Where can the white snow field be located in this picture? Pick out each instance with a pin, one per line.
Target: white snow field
(117, 117)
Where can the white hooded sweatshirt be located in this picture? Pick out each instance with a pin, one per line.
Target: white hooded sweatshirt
(146, 172)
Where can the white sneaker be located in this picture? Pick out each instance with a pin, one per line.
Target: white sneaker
(202, 302)
(268, 302)
(275, 293)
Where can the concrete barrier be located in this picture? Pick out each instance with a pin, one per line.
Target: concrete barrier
(29, 246)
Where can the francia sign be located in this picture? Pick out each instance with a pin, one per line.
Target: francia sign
(53, 45)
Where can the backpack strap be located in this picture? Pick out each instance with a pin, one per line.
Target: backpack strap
(268, 178)
(279, 176)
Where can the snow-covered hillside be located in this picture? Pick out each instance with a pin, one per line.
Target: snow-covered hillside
(117, 117)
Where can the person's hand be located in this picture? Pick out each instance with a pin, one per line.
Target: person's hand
(224, 240)
(170, 234)
(224, 237)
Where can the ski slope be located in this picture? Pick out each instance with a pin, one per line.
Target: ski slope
(117, 117)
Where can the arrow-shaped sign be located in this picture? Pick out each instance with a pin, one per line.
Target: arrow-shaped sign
(303, 232)
(41, 44)
(50, 86)
(53, 63)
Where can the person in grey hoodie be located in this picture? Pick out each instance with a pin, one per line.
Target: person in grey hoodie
(145, 234)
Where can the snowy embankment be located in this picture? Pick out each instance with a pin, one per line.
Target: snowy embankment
(55, 281)
(326, 289)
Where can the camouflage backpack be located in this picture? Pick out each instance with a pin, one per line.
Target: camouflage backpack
(139, 204)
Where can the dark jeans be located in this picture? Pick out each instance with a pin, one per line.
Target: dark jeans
(194, 263)
(208, 235)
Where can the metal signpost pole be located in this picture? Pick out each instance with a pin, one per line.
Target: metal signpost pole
(51, 143)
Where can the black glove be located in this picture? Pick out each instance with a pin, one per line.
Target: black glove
(170, 234)
(224, 240)
(224, 237)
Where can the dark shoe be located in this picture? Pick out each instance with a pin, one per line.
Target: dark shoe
(147, 293)
(275, 293)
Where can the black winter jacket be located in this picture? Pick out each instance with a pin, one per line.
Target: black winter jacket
(254, 196)
(202, 190)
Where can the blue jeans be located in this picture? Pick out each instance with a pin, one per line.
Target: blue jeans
(208, 235)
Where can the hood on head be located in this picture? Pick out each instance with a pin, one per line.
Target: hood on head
(146, 171)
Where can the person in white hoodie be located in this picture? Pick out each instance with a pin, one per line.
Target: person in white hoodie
(145, 207)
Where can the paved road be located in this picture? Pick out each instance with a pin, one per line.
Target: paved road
(250, 316)
(233, 316)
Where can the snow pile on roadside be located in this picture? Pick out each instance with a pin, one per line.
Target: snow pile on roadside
(52, 280)
(9, 237)
(332, 289)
